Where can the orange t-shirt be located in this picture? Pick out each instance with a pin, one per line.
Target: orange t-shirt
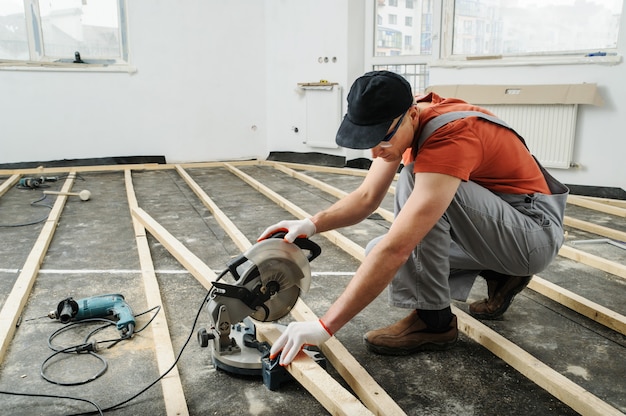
(474, 149)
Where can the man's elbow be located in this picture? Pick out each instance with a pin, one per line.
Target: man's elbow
(395, 254)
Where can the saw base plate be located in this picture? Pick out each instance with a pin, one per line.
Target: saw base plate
(246, 360)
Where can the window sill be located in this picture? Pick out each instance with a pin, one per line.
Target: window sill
(495, 61)
(64, 66)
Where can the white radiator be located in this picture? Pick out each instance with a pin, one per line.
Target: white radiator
(545, 115)
(549, 129)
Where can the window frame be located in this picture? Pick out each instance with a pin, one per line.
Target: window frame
(447, 59)
(36, 47)
(371, 60)
(442, 38)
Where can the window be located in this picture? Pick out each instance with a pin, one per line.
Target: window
(417, 18)
(389, 41)
(63, 31)
(496, 32)
(527, 27)
(416, 74)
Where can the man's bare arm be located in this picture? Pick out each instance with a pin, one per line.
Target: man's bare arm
(430, 198)
(361, 202)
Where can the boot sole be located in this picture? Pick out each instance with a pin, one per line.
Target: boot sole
(497, 314)
(428, 346)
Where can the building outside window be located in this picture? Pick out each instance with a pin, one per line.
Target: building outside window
(526, 27)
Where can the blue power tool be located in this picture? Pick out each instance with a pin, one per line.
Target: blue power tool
(103, 306)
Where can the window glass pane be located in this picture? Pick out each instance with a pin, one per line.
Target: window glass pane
(514, 27)
(90, 27)
(398, 22)
(13, 35)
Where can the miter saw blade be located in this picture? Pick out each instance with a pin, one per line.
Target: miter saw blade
(283, 270)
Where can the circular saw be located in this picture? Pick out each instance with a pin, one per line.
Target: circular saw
(269, 279)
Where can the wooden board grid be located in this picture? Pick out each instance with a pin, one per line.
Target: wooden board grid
(582, 401)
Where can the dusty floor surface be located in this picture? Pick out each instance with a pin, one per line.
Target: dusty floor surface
(94, 252)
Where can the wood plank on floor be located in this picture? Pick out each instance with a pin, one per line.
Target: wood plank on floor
(8, 183)
(552, 381)
(173, 394)
(367, 389)
(336, 399)
(15, 302)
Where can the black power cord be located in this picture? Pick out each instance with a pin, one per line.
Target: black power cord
(56, 396)
(88, 347)
(193, 326)
(32, 183)
(38, 203)
(100, 411)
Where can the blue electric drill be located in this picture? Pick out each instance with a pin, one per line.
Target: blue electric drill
(97, 307)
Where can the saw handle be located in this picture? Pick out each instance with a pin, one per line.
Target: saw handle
(306, 244)
(303, 243)
(233, 264)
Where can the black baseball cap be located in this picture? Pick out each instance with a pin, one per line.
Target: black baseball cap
(374, 101)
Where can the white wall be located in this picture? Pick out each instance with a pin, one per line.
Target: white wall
(199, 88)
(217, 80)
(298, 34)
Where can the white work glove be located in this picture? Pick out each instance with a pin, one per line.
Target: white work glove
(297, 335)
(294, 228)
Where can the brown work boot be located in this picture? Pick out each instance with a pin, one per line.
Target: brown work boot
(501, 289)
(408, 336)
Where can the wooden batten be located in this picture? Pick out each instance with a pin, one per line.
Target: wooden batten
(15, 302)
(549, 379)
(8, 184)
(171, 385)
(335, 398)
(366, 388)
(324, 388)
(597, 206)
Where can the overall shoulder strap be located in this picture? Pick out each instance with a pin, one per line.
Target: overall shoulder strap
(435, 123)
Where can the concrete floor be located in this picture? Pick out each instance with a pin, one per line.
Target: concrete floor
(93, 252)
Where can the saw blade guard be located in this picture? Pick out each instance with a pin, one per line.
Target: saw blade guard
(283, 270)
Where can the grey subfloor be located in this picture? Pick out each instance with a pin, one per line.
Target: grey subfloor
(93, 252)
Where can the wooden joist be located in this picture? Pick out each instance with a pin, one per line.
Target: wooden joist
(13, 306)
(324, 169)
(366, 388)
(591, 310)
(577, 303)
(8, 184)
(317, 168)
(616, 202)
(571, 394)
(347, 245)
(175, 402)
(597, 206)
(337, 193)
(336, 399)
(595, 228)
(117, 168)
(553, 382)
(592, 260)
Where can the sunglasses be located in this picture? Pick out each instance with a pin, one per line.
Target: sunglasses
(390, 135)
